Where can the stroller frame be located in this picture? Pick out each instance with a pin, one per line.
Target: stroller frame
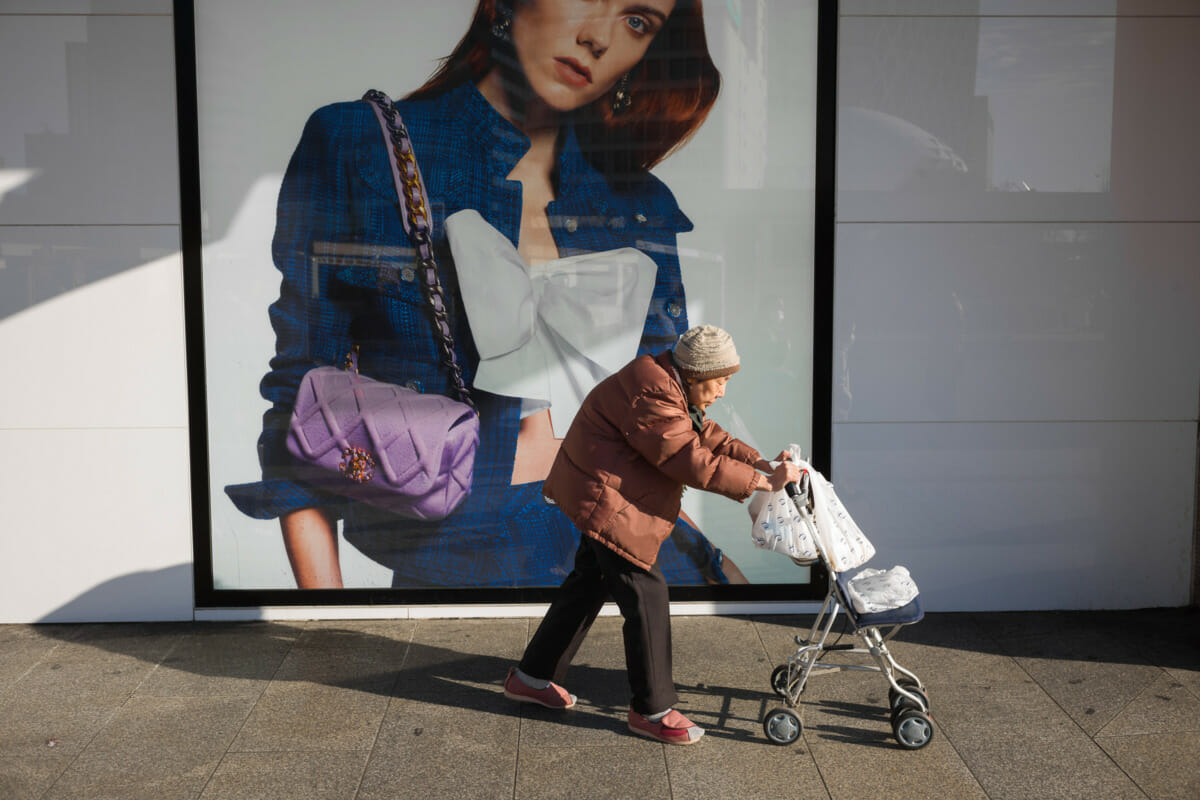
(907, 696)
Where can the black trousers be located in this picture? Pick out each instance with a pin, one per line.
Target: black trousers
(640, 594)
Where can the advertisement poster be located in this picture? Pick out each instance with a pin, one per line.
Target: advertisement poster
(559, 257)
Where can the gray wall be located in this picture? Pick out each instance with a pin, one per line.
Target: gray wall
(1017, 326)
(1017, 366)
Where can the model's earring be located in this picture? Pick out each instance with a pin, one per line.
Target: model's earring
(622, 98)
(503, 23)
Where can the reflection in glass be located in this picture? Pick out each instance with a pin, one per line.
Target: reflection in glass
(1048, 85)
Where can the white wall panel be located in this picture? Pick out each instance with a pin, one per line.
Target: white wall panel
(1026, 516)
(96, 525)
(85, 7)
(1018, 119)
(92, 317)
(95, 496)
(1017, 322)
(88, 132)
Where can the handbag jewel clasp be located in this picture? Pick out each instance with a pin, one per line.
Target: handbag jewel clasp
(357, 464)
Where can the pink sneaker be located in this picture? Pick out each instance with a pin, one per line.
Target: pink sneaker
(674, 728)
(553, 696)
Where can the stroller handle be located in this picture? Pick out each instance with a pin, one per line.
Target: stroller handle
(794, 489)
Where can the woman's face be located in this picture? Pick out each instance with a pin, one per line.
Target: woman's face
(703, 394)
(572, 52)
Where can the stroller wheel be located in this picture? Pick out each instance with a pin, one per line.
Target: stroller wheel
(782, 726)
(898, 701)
(779, 680)
(913, 728)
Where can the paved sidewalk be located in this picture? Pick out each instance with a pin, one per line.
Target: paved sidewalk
(1093, 705)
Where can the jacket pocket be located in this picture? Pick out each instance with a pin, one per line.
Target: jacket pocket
(387, 269)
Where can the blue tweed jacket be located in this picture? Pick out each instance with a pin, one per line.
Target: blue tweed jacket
(348, 280)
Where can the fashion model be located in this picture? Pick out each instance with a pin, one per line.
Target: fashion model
(557, 257)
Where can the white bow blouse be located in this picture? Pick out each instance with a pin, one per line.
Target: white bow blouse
(548, 333)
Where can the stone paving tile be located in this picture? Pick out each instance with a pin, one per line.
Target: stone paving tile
(851, 772)
(848, 732)
(222, 660)
(586, 725)
(743, 768)
(1019, 743)
(1015, 626)
(415, 709)
(1164, 706)
(432, 749)
(66, 700)
(330, 775)
(309, 717)
(28, 776)
(461, 656)
(735, 758)
(777, 634)
(21, 648)
(613, 773)
(360, 656)
(146, 642)
(1014, 765)
(1093, 693)
(717, 649)
(144, 752)
(1165, 766)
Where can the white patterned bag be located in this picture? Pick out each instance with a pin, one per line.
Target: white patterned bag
(874, 590)
(778, 526)
(845, 545)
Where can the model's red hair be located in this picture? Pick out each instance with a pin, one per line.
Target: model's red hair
(673, 89)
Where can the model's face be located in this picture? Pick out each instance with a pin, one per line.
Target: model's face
(573, 52)
(703, 394)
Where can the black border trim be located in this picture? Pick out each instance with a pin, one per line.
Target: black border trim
(207, 597)
(825, 190)
(193, 294)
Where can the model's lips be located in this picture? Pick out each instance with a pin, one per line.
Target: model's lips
(573, 72)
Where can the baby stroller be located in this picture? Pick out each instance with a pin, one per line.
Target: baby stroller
(809, 525)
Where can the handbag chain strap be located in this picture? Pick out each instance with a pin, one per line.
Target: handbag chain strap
(414, 206)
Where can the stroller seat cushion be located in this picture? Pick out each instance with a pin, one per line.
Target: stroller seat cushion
(905, 615)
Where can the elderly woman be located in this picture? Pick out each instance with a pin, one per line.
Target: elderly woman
(639, 438)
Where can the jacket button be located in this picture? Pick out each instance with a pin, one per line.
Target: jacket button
(414, 384)
(572, 224)
(674, 309)
(408, 274)
(640, 217)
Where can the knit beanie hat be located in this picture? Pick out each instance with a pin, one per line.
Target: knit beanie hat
(705, 352)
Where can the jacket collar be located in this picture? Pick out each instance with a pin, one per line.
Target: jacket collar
(665, 360)
(497, 145)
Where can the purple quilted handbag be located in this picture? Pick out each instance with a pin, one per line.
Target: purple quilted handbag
(402, 450)
(390, 446)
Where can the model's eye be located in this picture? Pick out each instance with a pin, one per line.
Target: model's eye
(638, 25)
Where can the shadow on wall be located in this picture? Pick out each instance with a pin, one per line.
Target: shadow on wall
(162, 595)
(89, 182)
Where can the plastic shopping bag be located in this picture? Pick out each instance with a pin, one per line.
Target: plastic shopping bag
(779, 528)
(874, 590)
(845, 545)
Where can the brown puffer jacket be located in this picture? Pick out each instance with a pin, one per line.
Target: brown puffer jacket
(624, 462)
